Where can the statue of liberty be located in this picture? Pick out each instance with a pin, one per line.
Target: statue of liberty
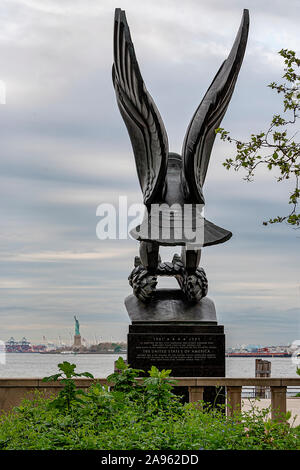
(76, 326)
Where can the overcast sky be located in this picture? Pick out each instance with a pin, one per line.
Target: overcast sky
(65, 150)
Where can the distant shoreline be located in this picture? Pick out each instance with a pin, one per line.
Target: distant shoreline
(64, 352)
(277, 355)
(231, 355)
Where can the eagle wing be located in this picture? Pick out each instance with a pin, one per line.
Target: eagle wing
(201, 134)
(142, 119)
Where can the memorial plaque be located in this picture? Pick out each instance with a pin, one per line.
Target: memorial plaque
(192, 354)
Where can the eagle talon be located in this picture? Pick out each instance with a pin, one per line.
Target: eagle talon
(143, 283)
(194, 286)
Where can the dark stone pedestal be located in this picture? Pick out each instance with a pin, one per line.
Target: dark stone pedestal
(171, 333)
(171, 306)
(188, 349)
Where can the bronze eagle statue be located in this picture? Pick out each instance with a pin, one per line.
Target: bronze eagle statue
(170, 180)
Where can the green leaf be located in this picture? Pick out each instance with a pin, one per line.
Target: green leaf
(121, 364)
(51, 378)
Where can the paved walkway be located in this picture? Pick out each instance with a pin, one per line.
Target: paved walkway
(293, 405)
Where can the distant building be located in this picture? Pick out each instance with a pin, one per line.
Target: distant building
(22, 346)
(18, 346)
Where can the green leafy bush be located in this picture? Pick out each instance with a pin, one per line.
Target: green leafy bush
(135, 414)
(70, 394)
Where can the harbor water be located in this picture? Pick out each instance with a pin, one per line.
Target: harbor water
(100, 365)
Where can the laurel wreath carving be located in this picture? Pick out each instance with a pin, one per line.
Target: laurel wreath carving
(194, 285)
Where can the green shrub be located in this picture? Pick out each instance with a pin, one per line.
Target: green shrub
(135, 415)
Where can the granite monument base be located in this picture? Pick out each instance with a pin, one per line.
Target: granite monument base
(77, 341)
(190, 348)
